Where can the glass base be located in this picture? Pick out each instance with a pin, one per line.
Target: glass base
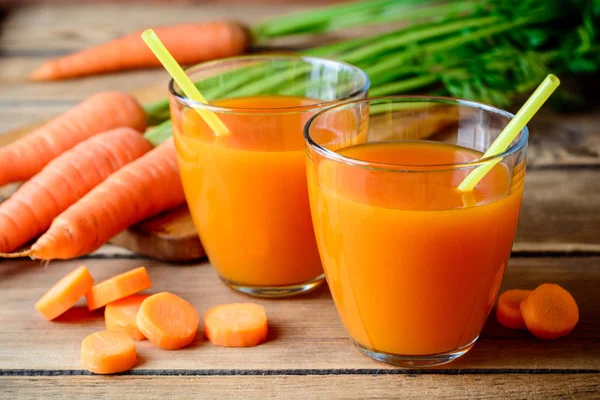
(277, 291)
(425, 361)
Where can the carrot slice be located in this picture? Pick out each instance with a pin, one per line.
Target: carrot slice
(168, 321)
(65, 293)
(236, 325)
(508, 311)
(550, 312)
(121, 315)
(108, 352)
(118, 287)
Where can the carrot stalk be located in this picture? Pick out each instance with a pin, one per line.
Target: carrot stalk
(27, 156)
(168, 321)
(189, 44)
(108, 352)
(550, 312)
(65, 293)
(508, 311)
(139, 190)
(118, 287)
(236, 325)
(62, 182)
(121, 315)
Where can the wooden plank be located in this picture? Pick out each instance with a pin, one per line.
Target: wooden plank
(565, 139)
(305, 334)
(560, 212)
(15, 92)
(506, 386)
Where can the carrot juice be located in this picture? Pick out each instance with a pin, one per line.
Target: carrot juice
(414, 267)
(247, 190)
(245, 179)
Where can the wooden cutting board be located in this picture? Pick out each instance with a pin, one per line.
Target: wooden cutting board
(170, 236)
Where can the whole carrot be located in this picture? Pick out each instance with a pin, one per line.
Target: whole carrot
(101, 112)
(66, 179)
(139, 190)
(189, 44)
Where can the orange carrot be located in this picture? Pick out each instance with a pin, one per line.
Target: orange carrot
(27, 156)
(121, 315)
(108, 352)
(236, 325)
(508, 311)
(65, 293)
(550, 312)
(62, 182)
(189, 44)
(139, 190)
(118, 287)
(168, 321)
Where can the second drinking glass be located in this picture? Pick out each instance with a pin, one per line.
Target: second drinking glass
(247, 190)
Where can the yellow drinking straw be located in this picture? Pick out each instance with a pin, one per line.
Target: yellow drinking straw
(184, 81)
(516, 125)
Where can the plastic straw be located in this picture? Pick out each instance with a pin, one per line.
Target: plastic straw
(514, 127)
(184, 81)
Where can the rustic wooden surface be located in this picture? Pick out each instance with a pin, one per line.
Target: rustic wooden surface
(308, 354)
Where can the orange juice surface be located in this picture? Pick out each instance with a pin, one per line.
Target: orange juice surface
(247, 191)
(414, 266)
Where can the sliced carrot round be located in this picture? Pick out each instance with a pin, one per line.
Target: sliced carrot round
(108, 352)
(118, 287)
(65, 293)
(236, 325)
(550, 312)
(121, 315)
(168, 321)
(508, 310)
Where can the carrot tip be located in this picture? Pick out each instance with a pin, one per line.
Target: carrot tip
(44, 72)
(27, 253)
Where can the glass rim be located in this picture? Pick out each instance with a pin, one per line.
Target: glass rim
(186, 101)
(397, 167)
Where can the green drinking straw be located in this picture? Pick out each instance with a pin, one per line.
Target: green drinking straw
(516, 125)
(184, 81)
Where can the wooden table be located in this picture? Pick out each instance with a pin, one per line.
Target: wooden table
(308, 354)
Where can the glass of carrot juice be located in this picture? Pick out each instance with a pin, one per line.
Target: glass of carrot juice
(246, 190)
(413, 264)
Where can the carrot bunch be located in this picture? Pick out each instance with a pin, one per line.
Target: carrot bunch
(548, 312)
(93, 174)
(166, 320)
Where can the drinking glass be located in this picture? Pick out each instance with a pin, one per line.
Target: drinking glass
(246, 190)
(413, 264)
